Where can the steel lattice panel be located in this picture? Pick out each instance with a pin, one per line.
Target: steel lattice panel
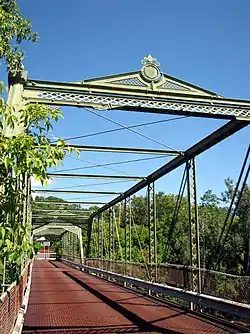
(110, 102)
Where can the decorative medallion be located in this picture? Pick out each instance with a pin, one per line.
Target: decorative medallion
(151, 69)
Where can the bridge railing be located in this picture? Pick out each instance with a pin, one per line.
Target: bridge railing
(207, 302)
(75, 259)
(11, 300)
(214, 283)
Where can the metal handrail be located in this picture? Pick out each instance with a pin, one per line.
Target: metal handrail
(223, 305)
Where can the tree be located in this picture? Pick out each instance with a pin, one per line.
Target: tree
(243, 213)
(211, 218)
(14, 30)
(227, 195)
(24, 154)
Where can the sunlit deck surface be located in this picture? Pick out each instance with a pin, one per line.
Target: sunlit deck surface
(66, 300)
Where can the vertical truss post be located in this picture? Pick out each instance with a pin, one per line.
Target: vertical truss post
(194, 239)
(117, 227)
(125, 229)
(100, 217)
(113, 233)
(130, 235)
(65, 244)
(89, 234)
(95, 238)
(102, 239)
(152, 247)
(109, 234)
(105, 241)
(111, 238)
(62, 243)
(71, 245)
(80, 244)
(77, 244)
(125, 224)
(15, 102)
(68, 243)
(98, 240)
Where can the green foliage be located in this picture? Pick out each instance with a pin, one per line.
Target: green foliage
(174, 247)
(32, 149)
(228, 193)
(36, 247)
(57, 248)
(243, 228)
(14, 30)
(22, 155)
(28, 153)
(225, 289)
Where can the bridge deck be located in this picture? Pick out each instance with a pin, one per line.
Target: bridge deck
(65, 300)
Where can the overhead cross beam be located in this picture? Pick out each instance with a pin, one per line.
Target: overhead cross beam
(96, 176)
(112, 149)
(59, 216)
(45, 221)
(52, 210)
(75, 192)
(71, 202)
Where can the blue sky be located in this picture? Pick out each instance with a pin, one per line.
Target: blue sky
(202, 42)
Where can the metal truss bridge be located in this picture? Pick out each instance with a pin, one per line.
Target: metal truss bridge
(95, 286)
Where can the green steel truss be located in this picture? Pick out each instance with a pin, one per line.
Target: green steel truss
(71, 237)
(146, 90)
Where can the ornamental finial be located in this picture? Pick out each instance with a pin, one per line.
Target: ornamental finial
(150, 60)
(151, 69)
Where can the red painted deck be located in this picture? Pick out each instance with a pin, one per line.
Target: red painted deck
(86, 304)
